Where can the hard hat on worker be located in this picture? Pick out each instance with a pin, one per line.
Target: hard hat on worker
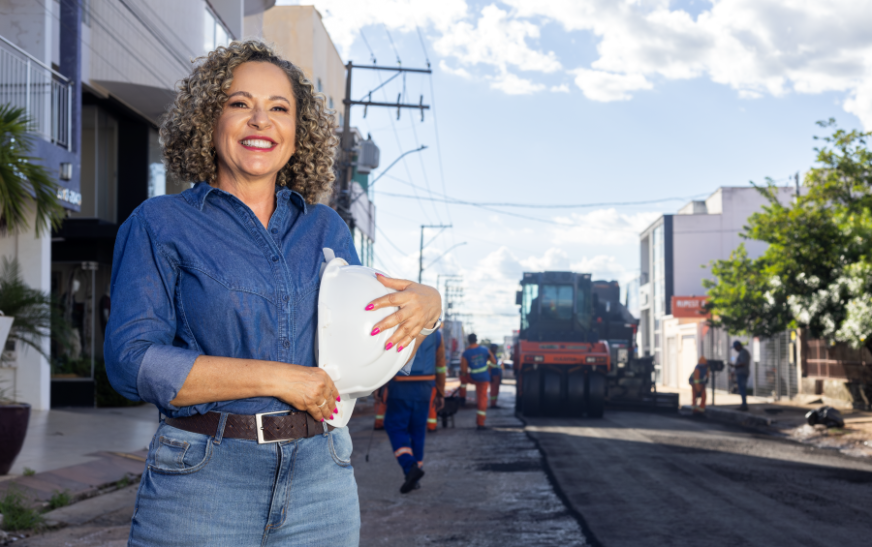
(354, 359)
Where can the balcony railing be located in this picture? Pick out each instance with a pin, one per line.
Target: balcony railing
(44, 94)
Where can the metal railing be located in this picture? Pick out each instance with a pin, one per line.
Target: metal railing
(45, 95)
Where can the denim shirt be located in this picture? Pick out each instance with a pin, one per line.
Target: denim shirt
(198, 274)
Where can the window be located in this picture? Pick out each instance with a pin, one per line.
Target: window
(214, 32)
(582, 307)
(320, 86)
(556, 302)
(157, 173)
(530, 300)
(330, 102)
(99, 165)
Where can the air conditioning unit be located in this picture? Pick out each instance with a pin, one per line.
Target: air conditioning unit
(367, 158)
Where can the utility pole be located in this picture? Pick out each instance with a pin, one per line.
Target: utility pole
(447, 278)
(346, 165)
(421, 251)
(796, 179)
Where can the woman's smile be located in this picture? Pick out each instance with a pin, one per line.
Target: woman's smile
(258, 144)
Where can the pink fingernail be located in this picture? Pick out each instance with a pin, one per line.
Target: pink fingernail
(371, 306)
(338, 398)
(381, 275)
(399, 349)
(375, 331)
(322, 419)
(389, 345)
(331, 416)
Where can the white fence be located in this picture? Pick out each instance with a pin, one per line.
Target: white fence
(45, 95)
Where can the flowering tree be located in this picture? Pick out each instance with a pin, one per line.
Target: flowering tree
(817, 271)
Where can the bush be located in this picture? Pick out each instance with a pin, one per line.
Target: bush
(59, 499)
(17, 513)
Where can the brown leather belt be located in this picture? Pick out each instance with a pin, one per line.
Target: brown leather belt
(267, 427)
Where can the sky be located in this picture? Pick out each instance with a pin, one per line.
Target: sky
(589, 118)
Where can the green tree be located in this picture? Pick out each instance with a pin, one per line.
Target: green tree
(817, 270)
(24, 183)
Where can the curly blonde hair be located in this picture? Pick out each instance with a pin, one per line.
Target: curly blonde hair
(186, 129)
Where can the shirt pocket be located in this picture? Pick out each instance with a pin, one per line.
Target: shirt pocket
(178, 452)
(226, 315)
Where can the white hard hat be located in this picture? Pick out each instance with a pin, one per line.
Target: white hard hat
(355, 360)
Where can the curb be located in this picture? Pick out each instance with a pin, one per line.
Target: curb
(734, 417)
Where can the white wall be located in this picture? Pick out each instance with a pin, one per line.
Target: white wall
(699, 239)
(28, 25)
(30, 378)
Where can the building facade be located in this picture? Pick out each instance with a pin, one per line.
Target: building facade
(675, 253)
(98, 75)
(299, 35)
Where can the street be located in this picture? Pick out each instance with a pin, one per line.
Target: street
(633, 478)
(647, 479)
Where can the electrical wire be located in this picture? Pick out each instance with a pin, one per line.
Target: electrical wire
(391, 242)
(371, 54)
(391, 39)
(435, 124)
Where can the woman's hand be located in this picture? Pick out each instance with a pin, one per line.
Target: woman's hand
(309, 389)
(420, 307)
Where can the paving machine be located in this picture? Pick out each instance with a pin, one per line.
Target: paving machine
(560, 364)
(630, 379)
(575, 351)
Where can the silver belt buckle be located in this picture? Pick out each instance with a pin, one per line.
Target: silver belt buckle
(258, 419)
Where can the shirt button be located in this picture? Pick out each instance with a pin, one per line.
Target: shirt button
(286, 344)
(285, 297)
(275, 230)
(275, 259)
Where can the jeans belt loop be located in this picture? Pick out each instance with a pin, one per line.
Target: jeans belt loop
(222, 422)
(326, 431)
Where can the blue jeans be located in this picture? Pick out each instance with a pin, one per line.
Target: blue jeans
(200, 490)
(742, 382)
(406, 426)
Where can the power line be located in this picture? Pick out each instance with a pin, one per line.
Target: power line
(391, 39)
(391, 242)
(371, 54)
(435, 125)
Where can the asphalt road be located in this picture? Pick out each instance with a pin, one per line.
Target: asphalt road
(643, 479)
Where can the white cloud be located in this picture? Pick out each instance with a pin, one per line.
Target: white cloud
(562, 88)
(513, 85)
(497, 40)
(459, 71)
(757, 47)
(602, 227)
(607, 86)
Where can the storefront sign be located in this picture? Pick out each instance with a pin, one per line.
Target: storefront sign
(689, 306)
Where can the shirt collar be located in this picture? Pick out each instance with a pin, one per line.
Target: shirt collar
(201, 190)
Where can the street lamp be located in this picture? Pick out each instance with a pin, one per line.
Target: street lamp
(386, 169)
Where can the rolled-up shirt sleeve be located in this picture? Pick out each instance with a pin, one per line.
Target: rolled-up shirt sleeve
(144, 360)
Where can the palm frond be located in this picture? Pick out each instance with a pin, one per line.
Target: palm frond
(23, 179)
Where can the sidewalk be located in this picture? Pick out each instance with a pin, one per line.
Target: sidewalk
(787, 417)
(482, 488)
(82, 451)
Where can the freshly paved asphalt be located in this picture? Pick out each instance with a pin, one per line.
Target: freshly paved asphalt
(646, 479)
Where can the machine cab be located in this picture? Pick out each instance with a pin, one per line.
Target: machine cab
(556, 307)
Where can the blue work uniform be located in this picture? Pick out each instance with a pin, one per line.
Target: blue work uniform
(477, 359)
(409, 399)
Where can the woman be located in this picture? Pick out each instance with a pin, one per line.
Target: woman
(214, 294)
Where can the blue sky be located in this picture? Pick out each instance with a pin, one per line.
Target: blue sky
(586, 102)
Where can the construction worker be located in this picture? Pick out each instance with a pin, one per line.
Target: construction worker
(496, 372)
(413, 399)
(474, 367)
(698, 381)
(381, 405)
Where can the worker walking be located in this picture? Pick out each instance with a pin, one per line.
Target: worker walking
(698, 381)
(496, 372)
(474, 368)
(742, 366)
(413, 399)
